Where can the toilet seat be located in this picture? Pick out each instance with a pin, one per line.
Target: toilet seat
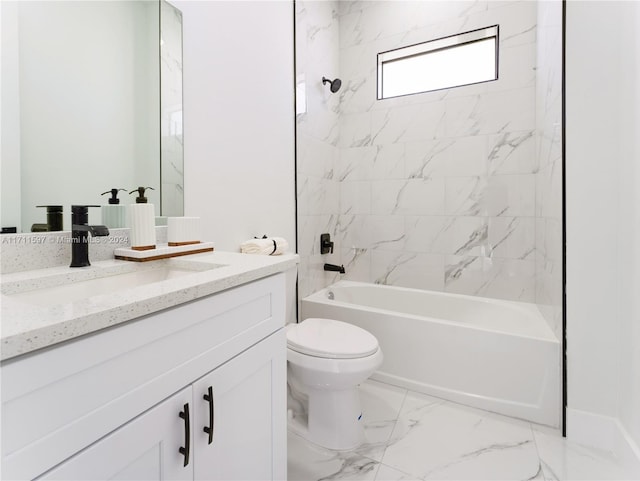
(330, 339)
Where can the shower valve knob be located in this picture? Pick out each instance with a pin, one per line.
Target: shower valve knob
(326, 246)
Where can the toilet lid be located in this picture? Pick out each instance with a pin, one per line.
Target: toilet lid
(330, 339)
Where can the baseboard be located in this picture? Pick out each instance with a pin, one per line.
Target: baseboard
(603, 432)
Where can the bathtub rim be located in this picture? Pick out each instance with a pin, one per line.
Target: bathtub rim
(530, 309)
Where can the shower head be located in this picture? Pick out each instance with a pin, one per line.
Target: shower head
(335, 84)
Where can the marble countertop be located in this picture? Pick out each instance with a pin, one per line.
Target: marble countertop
(27, 326)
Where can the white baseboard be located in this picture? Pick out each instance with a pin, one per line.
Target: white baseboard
(603, 432)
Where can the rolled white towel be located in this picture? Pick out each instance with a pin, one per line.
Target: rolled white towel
(270, 246)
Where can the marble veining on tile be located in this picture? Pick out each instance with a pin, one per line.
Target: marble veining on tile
(411, 436)
(434, 161)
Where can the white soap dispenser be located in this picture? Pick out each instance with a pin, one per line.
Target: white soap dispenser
(142, 221)
(114, 215)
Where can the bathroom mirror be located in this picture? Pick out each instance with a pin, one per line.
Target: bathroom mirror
(91, 100)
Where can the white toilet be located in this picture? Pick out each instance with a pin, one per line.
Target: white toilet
(326, 360)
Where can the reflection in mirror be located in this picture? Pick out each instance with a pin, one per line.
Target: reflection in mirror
(172, 153)
(81, 106)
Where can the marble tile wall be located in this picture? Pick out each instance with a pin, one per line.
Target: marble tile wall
(438, 189)
(317, 129)
(172, 152)
(434, 190)
(549, 154)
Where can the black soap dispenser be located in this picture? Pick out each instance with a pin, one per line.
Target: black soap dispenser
(114, 215)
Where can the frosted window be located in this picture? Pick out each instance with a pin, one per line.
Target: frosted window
(463, 59)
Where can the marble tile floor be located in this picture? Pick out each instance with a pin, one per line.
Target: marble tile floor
(412, 436)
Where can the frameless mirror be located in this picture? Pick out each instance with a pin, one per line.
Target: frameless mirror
(91, 100)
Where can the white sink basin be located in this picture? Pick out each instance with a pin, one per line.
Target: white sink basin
(69, 288)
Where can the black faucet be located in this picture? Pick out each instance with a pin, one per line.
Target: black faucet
(334, 268)
(80, 234)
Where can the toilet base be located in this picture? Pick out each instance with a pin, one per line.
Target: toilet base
(333, 419)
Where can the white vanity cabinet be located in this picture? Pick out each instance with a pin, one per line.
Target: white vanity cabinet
(244, 443)
(107, 406)
(143, 449)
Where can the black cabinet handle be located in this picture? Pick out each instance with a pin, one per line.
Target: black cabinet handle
(209, 429)
(187, 434)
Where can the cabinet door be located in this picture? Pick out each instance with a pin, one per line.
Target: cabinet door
(247, 414)
(146, 448)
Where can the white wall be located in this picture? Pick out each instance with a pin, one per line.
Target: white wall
(239, 119)
(629, 239)
(603, 222)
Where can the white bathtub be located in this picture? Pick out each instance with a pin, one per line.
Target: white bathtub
(492, 354)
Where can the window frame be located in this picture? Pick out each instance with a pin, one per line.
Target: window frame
(436, 45)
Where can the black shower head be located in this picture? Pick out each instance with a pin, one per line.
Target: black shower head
(335, 84)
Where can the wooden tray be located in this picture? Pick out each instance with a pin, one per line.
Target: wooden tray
(162, 251)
